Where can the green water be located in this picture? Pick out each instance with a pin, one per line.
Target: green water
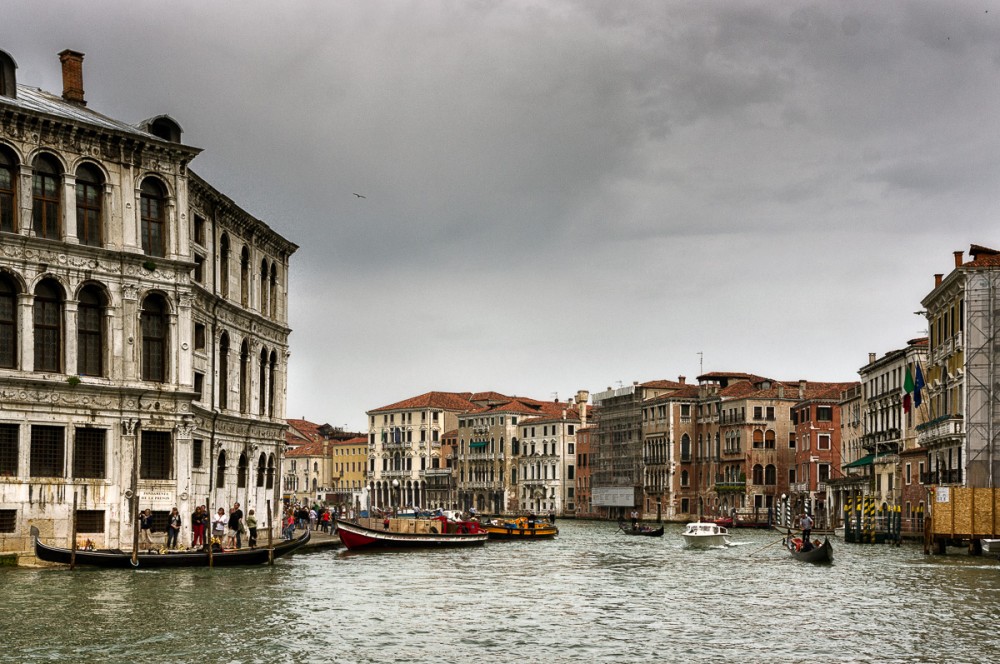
(590, 595)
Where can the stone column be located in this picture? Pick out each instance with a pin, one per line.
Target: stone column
(70, 308)
(128, 482)
(69, 209)
(26, 331)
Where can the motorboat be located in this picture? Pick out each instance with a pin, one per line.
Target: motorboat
(701, 535)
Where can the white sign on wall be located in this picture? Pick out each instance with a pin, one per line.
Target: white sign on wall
(943, 494)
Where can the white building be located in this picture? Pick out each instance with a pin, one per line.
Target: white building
(143, 325)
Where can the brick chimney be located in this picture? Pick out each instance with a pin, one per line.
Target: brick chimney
(72, 71)
(958, 259)
(682, 380)
(937, 280)
(802, 389)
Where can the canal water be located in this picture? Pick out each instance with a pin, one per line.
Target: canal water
(591, 595)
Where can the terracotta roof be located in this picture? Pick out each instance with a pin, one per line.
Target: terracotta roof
(685, 392)
(983, 257)
(304, 429)
(359, 440)
(571, 414)
(456, 401)
(309, 449)
(662, 384)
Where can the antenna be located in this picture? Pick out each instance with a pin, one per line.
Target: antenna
(701, 362)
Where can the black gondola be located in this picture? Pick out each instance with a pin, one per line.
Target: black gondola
(817, 554)
(641, 530)
(116, 558)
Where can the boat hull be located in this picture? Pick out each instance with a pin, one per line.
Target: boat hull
(116, 559)
(357, 538)
(503, 533)
(820, 554)
(705, 541)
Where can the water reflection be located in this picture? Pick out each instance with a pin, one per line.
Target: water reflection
(590, 595)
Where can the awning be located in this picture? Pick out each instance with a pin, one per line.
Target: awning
(477, 443)
(865, 460)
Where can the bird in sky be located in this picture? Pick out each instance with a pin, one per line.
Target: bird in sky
(360, 196)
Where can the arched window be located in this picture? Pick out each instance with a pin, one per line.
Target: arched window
(220, 471)
(224, 265)
(90, 332)
(769, 439)
(8, 322)
(245, 278)
(153, 215)
(224, 371)
(758, 439)
(8, 191)
(241, 472)
(154, 339)
(273, 291)
(245, 377)
(770, 475)
(270, 471)
(270, 383)
(48, 326)
(89, 205)
(685, 478)
(261, 470)
(758, 474)
(45, 185)
(685, 448)
(264, 295)
(262, 406)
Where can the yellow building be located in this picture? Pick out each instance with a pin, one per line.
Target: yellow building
(350, 462)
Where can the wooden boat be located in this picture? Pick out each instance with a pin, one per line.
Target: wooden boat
(519, 529)
(409, 533)
(116, 558)
(643, 530)
(700, 535)
(817, 554)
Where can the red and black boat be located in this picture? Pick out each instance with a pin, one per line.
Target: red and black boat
(409, 533)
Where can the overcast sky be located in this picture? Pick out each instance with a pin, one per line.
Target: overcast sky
(565, 195)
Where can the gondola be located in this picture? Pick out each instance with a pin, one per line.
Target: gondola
(818, 554)
(644, 531)
(116, 558)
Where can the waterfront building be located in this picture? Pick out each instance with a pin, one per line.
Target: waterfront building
(960, 388)
(350, 471)
(849, 480)
(143, 325)
(668, 428)
(308, 478)
(544, 474)
(584, 505)
(442, 481)
(617, 471)
(404, 441)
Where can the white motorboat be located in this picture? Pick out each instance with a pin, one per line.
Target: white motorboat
(703, 535)
(991, 545)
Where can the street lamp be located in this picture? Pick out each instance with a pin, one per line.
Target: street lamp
(394, 499)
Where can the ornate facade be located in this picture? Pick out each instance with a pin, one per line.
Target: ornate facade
(143, 326)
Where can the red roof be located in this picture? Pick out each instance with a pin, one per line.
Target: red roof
(457, 401)
(359, 440)
(309, 449)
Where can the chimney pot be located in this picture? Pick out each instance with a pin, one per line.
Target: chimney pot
(958, 259)
(937, 280)
(72, 72)
(871, 357)
(682, 379)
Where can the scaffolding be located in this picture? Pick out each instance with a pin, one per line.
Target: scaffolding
(982, 355)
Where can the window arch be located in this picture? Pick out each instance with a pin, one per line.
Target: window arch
(89, 205)
(270, 471)
(685, 478)
(8, 322)
(685, 448)
(224, 371)
(8, 191)
(90, 332)
(245, 277)
(245, 376)
(769, 439)
(770, 474)
(224, 265)
(220, 471)
(45, 209)
(262, 406)
(154, 338)
(153, 216)
(48, 326)
(758, 438)
(264, 296)
(273, 291)
(271, 375)
(261, 470)
(241, 472)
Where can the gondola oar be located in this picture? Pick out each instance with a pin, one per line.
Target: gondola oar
(766, 547)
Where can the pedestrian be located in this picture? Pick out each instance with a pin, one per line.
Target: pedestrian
(325, 523)
(252, 527)
(219, 522)
(313, 518)
(198, 527)
(173, 528)
(145, 525)
(289, 531)
(236, 526)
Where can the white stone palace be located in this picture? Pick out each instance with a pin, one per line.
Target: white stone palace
(143, 326)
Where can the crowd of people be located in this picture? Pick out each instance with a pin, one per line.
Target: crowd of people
(222, 530)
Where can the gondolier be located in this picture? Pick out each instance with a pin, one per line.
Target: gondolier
(806, 524)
